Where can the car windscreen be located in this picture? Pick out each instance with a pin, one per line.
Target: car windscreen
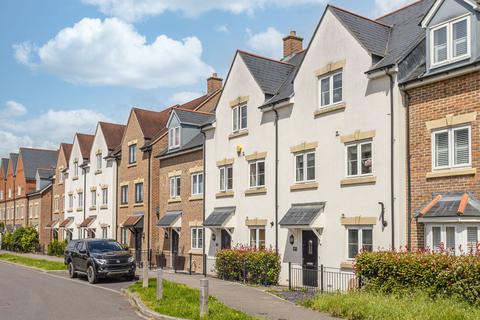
(104, 246)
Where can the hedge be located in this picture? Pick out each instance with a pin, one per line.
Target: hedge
(247, 264)
(56, 248)
(21, 240)
(437, 274)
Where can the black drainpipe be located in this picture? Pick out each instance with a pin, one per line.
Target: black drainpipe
(392, 142)
(5, 199)
(409, 175)
(276, 178)
(149, 150)
(203, 204)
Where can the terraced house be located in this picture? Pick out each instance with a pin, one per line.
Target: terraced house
(442, 93)
(3, 188)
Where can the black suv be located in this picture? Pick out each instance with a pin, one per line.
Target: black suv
(98, 258)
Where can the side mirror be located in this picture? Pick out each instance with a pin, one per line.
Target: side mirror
(83, 251)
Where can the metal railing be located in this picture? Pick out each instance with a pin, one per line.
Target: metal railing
(322, 279)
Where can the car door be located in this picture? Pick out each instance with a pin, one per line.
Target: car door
(82, 256)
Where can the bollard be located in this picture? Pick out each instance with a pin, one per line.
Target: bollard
(159, 284)
(145, 274)
(203, 297)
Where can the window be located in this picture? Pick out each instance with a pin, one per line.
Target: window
(257, 238)
(132, 153)
(99, 161)
(472, 239)
(450, 41)
(226, 178)
(450, 239)
(239, 118)
(359, 165)
(175, 187)
(174, 137)
(104, 196)
(55, 234)
(124, 194)
(197, 183)
(61, 175)
(19, 191)
(125, 236)
(359, 239)
(68, 235)
(9, 193)
(80, 199)
(305, 167)
(104, 233)
(93, 194)
(330, 89)
(257, 173)
(139, 192)
(70, 201)
(451, 148)
(57, 204)
(1, 195)
(80, 233)
(197, 238)
(75, 169)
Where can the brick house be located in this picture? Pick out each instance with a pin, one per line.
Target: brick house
(442, 94)
(3, 188)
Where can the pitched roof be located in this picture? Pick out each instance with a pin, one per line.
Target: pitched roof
(67, 150)
(195, 142)
(85, 141)
(113, 134)
(4, 166)
(14, 161)
(33, 159)
(45, 173)
(195, 118)
(219, 217)
(193, 104)
(268, 73)
(302, 214)
(151, 121)
(453, 204)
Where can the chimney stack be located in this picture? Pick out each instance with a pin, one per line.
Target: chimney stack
(213, 83)
(292, 44)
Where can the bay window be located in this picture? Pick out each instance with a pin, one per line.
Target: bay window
(450, 41)
(226, 178)
(451, 148)
(330, 89)
(239, 118)
(359, 238)
(305, 167)
(257, 173)
(359, 159)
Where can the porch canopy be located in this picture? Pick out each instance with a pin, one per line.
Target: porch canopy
(450, 207)
(53, 224)
(171, 219)
(88, 222)
(134, 221)
(302, 216)
(219, 218)
(66, 222)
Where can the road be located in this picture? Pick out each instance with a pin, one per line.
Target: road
(35, 295)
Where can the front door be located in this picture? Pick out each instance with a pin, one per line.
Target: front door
(310, 258)
(138, 245)
(226, 242)
(175, 241)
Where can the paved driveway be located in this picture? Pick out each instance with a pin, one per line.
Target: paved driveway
(27, 294)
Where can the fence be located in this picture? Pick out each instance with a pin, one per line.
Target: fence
(321, 279)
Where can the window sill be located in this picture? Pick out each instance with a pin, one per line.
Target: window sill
(224, 194)
(256, 191)
(338, 107)
(451, 173)
(123, 206)
(79, 209)
(196, 251)
(75, 178)
(304, 186)
(98, 172)
(174, 200)
(92, 208)
(195, 197)
(240, 133)
(358, 181)
(346, 265)
(70, 210)
(131, 165)
(103, 207)
(138, 204)
(60, 183)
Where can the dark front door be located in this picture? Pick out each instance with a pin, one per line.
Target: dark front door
(310, 258)
(175, 241)
(138, 245)
(226, 242)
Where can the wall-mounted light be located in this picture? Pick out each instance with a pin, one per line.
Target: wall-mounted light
(166, 234)
(272, 223)
(214, 237)
(239, 149)
(291, 239)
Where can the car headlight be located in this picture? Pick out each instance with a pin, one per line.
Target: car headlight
(131, 259)
(101, 261)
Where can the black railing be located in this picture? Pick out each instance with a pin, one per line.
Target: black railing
(321, 279)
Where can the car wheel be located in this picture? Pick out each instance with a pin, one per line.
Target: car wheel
(91, 276)
(71, 271)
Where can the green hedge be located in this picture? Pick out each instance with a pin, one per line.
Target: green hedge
(254, 266)
(437, 274)
(56, 248)
(21, 240)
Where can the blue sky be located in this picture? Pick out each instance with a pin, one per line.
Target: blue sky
(67, 64)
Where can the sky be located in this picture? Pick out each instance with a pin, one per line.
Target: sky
(67, 64)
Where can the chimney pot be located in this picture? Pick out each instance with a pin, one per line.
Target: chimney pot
(213, 83)
(292, 44)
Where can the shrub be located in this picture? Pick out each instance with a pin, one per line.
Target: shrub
(7, 241)
(56, 248)
(21, 240)
(437, 274)
(254, 266)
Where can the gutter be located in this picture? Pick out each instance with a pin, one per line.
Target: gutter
(428, 79)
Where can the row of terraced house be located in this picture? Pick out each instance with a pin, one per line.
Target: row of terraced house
(367, 138)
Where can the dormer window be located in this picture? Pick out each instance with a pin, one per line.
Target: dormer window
(239, 118)
(450, 41)
(174, 137)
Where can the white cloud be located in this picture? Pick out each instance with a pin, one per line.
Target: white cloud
(14, 109)
(222, 28)
(112, 52)
(47, 129)
(132, 10)
(385, 6)
(184, 96)
(268, 42)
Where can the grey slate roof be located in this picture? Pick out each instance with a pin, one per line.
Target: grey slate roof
(449, 204)
(4, 166)
(219, 217)
(193, 117)
(32, 159)
(45, 173)
(14, 161)
(302, 214)
(195, 142)
(169, 219)
(268, 73)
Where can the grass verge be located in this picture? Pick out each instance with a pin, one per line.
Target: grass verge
(372, 306)
(183, 302)
(31, 262)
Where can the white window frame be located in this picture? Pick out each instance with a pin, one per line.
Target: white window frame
(443, 236)
(104, 232)
(360, 238)
(257, 162)
(173, 185)
(330, 89)
(70, 201)
(19, 191)
(197, 188)
(174, 137)
(225, 178)
(57, 204)
(104, 196)
(75, 169)
(237, 122)
(449, 25)
(80, 199)
(305, 166)
(132, 156)
(451, 142)
(256, 245)
(359, 159)
(138, 194)
(93, 196)
(123, 196)
(99, 161)
(195, 240)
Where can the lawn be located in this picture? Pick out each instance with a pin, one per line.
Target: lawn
(37, 263)
(363, 305)
(184, 302)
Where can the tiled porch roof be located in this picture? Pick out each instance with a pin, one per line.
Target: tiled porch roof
(88, 221)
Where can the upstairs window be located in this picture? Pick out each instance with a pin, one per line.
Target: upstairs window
(70, 201)
(305, 167)
(124, 195)
(226, 178)
(80, 200)
(1, 195)
(93, 198)
(239, 118)
(75, 169)
(19, 191)
(132, 154)
(451, 148)
(174, 137)
(197, 183)
(61, 176)
(359, 159)
(330, 89)
(139, 192)
(450, 41)
(257, 173)
(175, 187)
(99, 161)
(104, 196)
